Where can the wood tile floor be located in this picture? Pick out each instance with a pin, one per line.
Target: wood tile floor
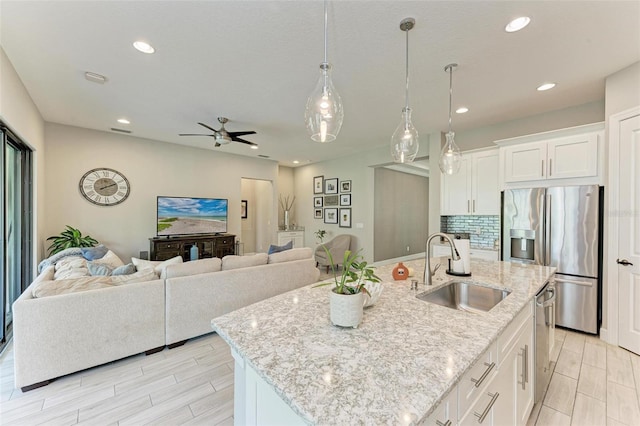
(593, 384)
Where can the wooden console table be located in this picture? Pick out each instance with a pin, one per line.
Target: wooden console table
(163, 248)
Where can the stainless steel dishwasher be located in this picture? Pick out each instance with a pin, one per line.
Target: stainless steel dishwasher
(545, 322)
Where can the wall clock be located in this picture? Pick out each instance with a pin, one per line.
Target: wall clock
(104, 187)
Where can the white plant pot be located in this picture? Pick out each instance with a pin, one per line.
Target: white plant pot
(346, 309)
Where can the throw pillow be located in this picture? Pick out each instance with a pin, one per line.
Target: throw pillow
(111, 260)
(98, 269)
(127, 269)
(278, 249)
(94, 253)
(158, 267)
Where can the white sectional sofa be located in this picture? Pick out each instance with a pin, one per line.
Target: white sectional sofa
(64, 333)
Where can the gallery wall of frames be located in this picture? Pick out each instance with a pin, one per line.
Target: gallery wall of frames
(332, 201)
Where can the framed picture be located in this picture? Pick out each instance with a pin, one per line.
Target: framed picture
(345, 218)
(331, 215)
(318, 184)
(317, 213)
(345, 199)
(317, 202)
(331, 186)
(345, 186)
(243, 209)
(331, 200)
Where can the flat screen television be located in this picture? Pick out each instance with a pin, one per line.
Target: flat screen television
(191, 216)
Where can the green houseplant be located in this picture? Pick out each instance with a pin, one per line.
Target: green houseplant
(320, 234)
(70, 237)
(347, 297)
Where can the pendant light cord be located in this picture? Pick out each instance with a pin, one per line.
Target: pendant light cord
(450, 93)
(325, 31)
(406, 90)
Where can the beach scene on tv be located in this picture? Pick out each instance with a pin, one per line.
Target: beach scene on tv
(180, 216)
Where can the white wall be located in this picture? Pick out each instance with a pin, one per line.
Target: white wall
(153, 168)
(21, 115)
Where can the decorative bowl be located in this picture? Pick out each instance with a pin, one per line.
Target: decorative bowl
(375, 289)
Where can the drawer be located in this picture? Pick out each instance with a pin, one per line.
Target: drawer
(476, 379)
(510, 335)
(483, 254)
(224, 242)
(446, 412)
(168, 246)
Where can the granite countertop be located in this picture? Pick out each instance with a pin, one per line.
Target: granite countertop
(405, 356)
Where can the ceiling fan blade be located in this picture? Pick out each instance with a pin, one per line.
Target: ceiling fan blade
(232, 134)
(193, 134)
(243, 141)
(209, 127)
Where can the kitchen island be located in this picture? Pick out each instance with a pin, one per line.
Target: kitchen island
(406, 356)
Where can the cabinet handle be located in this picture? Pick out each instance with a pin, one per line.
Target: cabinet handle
(468, 208)
(525, 365)
(542, 169)
(550, 160)
(479, 381)
(481, 417)
(447, 423)
(474, 206)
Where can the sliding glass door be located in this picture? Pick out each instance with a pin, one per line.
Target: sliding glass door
(15, 226)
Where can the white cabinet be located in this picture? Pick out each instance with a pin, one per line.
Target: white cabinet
(572, 156)
(446, 413)
(568, 157)
(438, 250)
(296, 236)
(474, 189)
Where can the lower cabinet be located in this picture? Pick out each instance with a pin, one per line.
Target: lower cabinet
(296, 236)
(498, 388)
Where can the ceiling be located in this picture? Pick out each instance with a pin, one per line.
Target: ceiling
(255, 62)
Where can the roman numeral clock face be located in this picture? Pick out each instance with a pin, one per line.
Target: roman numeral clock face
(104, 187)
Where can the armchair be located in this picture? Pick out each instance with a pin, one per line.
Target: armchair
(337, 246)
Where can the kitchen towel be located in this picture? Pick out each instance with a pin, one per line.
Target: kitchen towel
(464, 250)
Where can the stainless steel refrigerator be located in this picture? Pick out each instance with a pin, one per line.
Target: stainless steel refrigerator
(560, 227)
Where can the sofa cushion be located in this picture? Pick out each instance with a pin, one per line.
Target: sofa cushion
(234, 262)
(278, 249)
(56, 287)
(94, 253)
(71, 267)
(110, 259)
(158, 266)
(289, 255)
(200, 266)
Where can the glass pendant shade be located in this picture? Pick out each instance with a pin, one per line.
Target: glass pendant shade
(450, 156)
(404, 141)
(324, 112)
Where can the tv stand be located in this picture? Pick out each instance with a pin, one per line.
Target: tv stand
(218, 245)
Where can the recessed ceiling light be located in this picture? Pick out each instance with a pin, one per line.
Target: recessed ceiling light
(462, 110)
(144, 47)
(517, 24)
(296, 162)
(546, 86)
(123, 121)
(254, 146)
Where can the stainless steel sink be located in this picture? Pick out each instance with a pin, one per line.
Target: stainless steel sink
(465, 296)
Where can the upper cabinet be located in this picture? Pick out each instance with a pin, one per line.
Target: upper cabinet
(474, 189)
(564, 157)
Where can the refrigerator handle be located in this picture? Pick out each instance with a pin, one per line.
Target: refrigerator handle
(547, 236)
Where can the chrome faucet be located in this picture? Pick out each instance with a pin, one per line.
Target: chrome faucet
(428, 272)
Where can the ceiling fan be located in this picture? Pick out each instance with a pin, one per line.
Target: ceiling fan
(222, 137)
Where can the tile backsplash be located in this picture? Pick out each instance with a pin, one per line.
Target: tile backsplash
(487, 226)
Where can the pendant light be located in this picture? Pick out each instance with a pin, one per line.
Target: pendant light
(450, 157)
(323, 114)
(404, 142)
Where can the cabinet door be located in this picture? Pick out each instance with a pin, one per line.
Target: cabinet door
(524, 374)
(525, 162)
(456, 190)
(574, 156)
(446, 413)
(485, 193)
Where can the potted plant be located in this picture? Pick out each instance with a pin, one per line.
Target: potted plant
(320, 234)
(70, 237)
(347, 298)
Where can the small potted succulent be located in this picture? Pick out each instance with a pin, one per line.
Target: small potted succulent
(350, 292)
